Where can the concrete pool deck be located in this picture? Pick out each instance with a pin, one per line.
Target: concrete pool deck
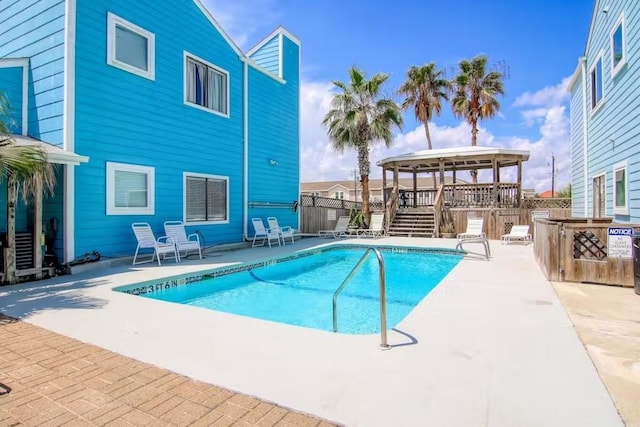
(491, 345)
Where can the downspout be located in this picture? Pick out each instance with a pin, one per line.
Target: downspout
(245, 151)
(585, 137)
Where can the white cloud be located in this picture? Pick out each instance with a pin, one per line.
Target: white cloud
(320, 163)
(246, 22)
(548, 96)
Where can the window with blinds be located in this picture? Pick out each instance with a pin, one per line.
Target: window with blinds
(130, 189)
(206, 85)
(206, 198)
(130, 47)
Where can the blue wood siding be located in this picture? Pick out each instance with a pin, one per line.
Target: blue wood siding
(268, 55)
(577, 151)
(125, 118)
(614, 129)
(11, 86)
(274, 135)
(34, 29)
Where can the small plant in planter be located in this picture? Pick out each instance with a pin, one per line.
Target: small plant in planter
(447, 230)
(356, 219)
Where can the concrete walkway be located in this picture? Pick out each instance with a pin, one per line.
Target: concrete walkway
(490, 346)
(607, 319)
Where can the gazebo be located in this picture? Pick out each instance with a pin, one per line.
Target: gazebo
(494, 194)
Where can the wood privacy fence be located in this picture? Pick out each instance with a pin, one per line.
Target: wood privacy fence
(575, 250)
(499, 221)
(321, 213)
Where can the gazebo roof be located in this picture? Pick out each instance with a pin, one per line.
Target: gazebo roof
(457, 158)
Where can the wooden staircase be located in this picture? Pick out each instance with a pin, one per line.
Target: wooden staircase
(413, 224)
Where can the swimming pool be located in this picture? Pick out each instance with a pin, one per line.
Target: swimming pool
(298, 289)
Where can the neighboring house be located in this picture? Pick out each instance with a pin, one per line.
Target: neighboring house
(546, 194)
(605, 124)
(169, 118)
(350, 190)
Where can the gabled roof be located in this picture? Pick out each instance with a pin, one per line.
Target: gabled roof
(278, 31)
(217, 26)
(596, 6)
(458, 158)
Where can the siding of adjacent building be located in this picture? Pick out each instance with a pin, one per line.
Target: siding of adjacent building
(274, 135)
(11, 85)
(577, 152)
(34, 29)
(614, 128)
(122, 117)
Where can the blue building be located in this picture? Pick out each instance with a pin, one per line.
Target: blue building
(155, 114)
(605, 115)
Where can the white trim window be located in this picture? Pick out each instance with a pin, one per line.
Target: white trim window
(130, 189)
(595, 77)
(599, 195)
(339, 195)
(206, 199)
(620, 189)
(618, 46)
(130, 47)
(205, 85)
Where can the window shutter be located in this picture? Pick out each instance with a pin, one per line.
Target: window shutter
(196, 189)
(130, 189)
(131, 48)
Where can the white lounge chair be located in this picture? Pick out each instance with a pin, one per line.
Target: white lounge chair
(474, 229)
(146, 240)
(284, 232)
(266, 234)
(474, 234)
(518, 233)
(376, 227)
(175, 230)
(339, 231)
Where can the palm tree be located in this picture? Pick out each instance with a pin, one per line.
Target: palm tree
(475, 93)
(359, 116)
(26, 166)
(424, 91)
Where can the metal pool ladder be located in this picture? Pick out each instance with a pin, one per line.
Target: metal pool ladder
(383, 295)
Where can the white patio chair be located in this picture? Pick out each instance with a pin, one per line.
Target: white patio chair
(146, 240)
(265, 233)
(474, 234)
(340, 229)
(176, 230)
(284, 232)
(376, 227)
(518, 233)
(474, 230)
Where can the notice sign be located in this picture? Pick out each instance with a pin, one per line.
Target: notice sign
(619, 242)
(539, 214)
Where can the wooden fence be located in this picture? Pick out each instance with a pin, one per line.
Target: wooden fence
(498, 221)
(575, 250)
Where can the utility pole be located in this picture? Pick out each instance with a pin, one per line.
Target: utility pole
(355, 184)
(553, 175)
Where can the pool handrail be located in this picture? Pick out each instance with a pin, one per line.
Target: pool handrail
(383, 295)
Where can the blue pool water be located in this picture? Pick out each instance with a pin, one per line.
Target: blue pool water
(299, 291)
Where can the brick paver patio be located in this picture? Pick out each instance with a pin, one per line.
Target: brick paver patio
(47, 379)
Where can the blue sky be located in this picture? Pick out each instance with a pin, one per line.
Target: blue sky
(536, 45)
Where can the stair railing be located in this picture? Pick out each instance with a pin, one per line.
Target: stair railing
(438, 208)
(391, 209)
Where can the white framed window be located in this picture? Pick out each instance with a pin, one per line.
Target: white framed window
(620, 189)
(130, 189)
(618, 46)
(339, 195)
(315, 193)
(130, 47)
(595, 77)
(206, 199)
(205, 85)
